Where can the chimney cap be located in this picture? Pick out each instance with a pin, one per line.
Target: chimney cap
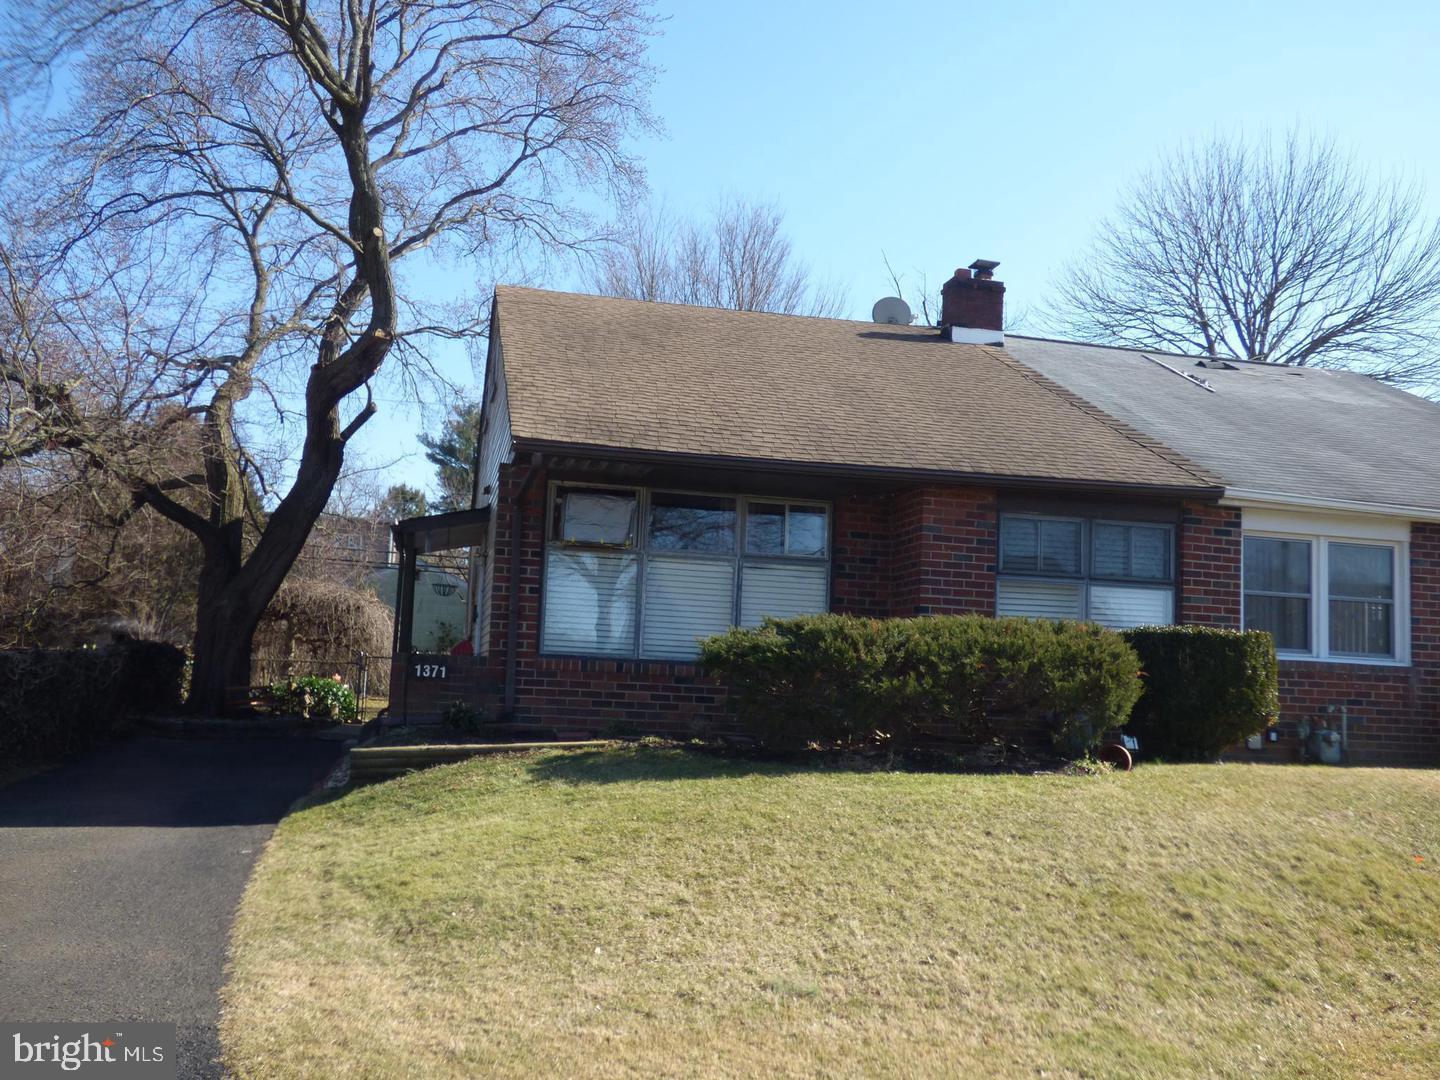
(983, 266)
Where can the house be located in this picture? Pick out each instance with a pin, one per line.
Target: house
(650, 474)
(345, 549)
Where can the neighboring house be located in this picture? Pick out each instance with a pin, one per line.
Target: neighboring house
(671, 471)
(346, 549)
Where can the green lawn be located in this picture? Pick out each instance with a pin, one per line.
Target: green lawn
(647, 912)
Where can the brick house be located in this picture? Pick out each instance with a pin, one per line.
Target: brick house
(650, 474)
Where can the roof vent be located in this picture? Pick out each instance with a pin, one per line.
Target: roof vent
(1195, 380)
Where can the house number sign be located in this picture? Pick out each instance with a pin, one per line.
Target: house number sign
(430, 669)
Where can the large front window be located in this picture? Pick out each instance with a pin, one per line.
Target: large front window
(1323, 598)
(1115, 573)
(699, 564)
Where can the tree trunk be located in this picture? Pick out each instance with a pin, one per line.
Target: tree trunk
(235, 591)
(223, 635)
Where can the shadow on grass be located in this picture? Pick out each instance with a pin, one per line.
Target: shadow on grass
(636, 764)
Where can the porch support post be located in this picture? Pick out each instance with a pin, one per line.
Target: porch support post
(405, 599)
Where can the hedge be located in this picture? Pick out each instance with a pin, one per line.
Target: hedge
(1205, 689)
(844, 681)
(58, 702)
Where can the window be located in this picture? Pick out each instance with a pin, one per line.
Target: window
(781, 529)
(595, 517)
(1040, 545)
(1043, 574)
(700, 564)
(1277, 590)
(1362, 600)
(1324, 598)
(591, 595)
(1138, 552)
(692, 523)
(689, 594)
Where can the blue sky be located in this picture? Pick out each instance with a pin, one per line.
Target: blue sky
(942, 132)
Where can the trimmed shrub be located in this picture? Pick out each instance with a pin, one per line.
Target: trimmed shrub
(838, 680)
(1205, 689)
(463, 717)
(54, 703)
(317, 698)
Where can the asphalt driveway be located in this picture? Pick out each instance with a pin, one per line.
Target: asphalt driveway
(120, 872)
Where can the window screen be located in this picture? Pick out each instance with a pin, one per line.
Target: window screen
(1362, 599)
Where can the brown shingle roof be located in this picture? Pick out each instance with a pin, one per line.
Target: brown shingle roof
(668, 378)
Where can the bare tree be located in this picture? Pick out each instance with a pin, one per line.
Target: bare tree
(237, 189)
(1287, 254)
(739, 258)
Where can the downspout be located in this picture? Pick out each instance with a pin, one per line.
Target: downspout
(475, 461)
(517, 514)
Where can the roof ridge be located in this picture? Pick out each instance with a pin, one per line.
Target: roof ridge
(1164, 451)
(919, 330)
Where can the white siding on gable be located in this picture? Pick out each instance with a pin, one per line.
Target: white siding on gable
(1039, 599)
(495, 439)
(782, 590)
(495, 450)
(686, 599)
(1119, 607)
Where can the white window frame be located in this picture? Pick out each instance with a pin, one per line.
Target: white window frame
(1086, 577)
(1319, 651)
(641, 550)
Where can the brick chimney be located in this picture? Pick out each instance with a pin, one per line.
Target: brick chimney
(972, 305)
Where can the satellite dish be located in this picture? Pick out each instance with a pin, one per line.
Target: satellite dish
(892, 310)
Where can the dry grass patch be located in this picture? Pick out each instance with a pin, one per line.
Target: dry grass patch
(648, 912)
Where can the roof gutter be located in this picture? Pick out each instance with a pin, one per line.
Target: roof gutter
(872, 473)
(1243, 497)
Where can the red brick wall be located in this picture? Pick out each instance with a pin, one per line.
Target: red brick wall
(933, 551)
(943, 552)
(468, 680)
(921, 552)
(1394, 712)
(860, 571)
(1210, 565)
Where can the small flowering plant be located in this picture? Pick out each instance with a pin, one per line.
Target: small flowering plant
(316, 697)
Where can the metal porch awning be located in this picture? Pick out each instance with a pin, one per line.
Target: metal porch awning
(442, 532)
(425, 536)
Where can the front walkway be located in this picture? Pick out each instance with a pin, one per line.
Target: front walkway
(120, 873)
